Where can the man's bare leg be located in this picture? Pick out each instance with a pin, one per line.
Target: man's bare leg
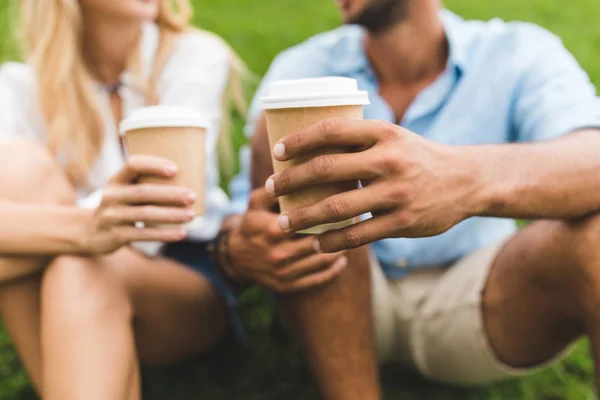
(543, 292)
(334, 322)
(335, 327)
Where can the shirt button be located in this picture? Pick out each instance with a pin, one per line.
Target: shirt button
(402, 263)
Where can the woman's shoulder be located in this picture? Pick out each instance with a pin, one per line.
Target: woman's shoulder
(185, 53)
(204, 47)
(199, 39)
(197, 54)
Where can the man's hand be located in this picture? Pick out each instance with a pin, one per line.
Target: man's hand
(259, 250)
(412, 186)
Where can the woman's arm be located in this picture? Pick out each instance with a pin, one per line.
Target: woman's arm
(29, 229)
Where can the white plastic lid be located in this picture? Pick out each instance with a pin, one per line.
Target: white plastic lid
(163, 117)
(314, 92)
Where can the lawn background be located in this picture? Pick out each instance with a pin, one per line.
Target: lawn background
(267, 366)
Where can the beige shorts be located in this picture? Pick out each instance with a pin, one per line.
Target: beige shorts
(431, 321)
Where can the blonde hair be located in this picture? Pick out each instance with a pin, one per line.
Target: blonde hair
(52, 39)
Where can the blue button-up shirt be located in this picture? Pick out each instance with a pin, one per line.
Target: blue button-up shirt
(504, 83)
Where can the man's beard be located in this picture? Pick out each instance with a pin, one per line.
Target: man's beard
(381, 15)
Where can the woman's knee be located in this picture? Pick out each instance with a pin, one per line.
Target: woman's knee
(31, 173)
(81, 288)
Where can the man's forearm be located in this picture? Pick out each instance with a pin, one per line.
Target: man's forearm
(557, 179)
(27, 229)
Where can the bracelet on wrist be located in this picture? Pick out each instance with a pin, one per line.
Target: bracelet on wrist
(220, 255)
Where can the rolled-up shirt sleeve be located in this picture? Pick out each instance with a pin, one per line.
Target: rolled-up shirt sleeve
(240, 186)
(555, 95)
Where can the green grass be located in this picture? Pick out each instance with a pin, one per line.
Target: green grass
(268, 366)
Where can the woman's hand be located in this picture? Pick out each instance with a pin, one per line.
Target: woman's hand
(125, 203)
(412, 186)
(260, 251)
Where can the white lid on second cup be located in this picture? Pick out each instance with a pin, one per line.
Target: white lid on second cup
(163, 117)
(314, 92)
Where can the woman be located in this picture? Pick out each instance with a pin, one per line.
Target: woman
(81, 304)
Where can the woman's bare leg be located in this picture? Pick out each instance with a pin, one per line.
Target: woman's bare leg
(30, 175)
(178, 312)
(87, 339)
(95, 310)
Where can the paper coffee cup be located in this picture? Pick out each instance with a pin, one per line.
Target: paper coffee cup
(177, 133)
(292, 105)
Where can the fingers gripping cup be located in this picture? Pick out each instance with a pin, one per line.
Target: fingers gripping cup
(292, 105)
(177, 133)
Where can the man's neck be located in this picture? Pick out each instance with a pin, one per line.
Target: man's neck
(108, 45)
(411, 53)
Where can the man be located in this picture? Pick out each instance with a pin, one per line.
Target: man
(478, 124)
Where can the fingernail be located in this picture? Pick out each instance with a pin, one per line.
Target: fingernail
(340, 262)
(190, 213)
(190, 197)
(284, 222)
(270, 187)
(171, 169)
(316, 245)
(278, 150)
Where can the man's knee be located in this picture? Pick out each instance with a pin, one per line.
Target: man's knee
(78, 288)
(30, 173)
(585, 238)
(590, 229)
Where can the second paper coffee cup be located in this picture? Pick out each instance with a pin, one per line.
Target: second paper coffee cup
(292, 105)
(177, 133)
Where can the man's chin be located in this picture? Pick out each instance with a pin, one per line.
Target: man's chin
(350, 19)
(378, 16)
